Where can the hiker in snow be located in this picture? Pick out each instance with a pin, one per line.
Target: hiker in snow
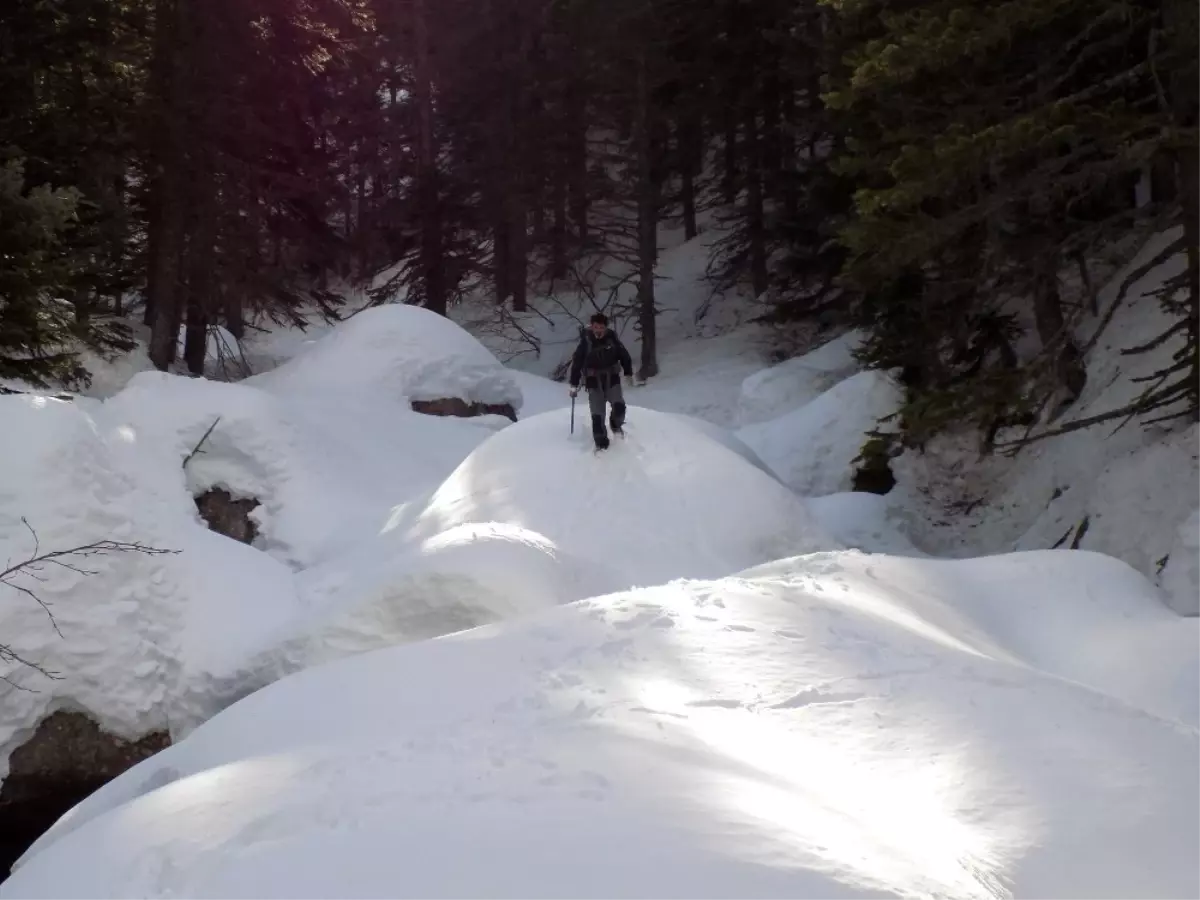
(600, 359)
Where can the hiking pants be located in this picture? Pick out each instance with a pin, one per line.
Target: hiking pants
(607, 390)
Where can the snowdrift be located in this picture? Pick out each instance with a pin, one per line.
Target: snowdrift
(812, 448)
(796, 731)
(162, 641)
(669, 501)
(788, 385)
(400, 351)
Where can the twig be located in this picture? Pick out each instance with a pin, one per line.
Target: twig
(32, 568)
(187, 459)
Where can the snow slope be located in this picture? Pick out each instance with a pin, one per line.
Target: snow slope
(666, 502)
(163, 641)
(813, 448)
(779, 389)
(795, 731)
(1125, 492)
(499, 524)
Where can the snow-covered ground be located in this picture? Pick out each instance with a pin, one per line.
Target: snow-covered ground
(470, 657)
(803, 729)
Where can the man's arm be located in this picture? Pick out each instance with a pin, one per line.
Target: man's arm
(577, 362)
(624, 358)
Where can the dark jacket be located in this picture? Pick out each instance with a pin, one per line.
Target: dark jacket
(579, 367)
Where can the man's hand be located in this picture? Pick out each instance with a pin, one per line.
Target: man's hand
(629, 380)
(574, 392)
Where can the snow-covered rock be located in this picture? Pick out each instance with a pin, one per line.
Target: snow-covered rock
(800, 730)
(401, 351)
(813, 448)
(666, 502)
(1181, 575)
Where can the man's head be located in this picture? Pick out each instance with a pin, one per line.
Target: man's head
(599, 324)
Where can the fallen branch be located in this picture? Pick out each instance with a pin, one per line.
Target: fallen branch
(187, 459)
(71, 560)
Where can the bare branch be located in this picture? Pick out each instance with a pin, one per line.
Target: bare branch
(187, 459)
(33, 567)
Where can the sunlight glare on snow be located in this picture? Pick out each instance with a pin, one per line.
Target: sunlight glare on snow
(839, 804)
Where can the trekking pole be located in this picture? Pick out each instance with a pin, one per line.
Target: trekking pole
(572, 414)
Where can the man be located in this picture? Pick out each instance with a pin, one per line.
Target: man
(600, 359)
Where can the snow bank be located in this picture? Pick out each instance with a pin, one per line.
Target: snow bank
(771, 392)
(863, 521)
(812, 448)
(666, 502)
(390, 591)
(402, 351)
(1082, 616)
(1124, 492)
(326, 469)
(164, 641)
(792, 732)
(1181, 575)
(142, 641)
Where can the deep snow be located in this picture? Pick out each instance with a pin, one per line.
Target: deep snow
(792, 731)
(573, 711)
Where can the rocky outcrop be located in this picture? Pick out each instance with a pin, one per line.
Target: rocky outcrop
(228, 515)
(67, 758)
(455, 406)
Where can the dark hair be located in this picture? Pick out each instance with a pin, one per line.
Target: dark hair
(599, 319)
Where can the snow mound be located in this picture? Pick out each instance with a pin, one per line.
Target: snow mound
(402, 351)
(812, 449)
(666, 502)
(540, 394)
(142, 641)
(322, 482)
(792, 383)
(388, 593)
(149, 642)
(790, 732)
(1082, 616)
(1181, 575)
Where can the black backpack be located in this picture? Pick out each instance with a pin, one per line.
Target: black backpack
(601, 355)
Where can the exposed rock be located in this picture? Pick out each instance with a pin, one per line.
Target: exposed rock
(228, 515)
(67, 758)
(455, 406)
(874, 473)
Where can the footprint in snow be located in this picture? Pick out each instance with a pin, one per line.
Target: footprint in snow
(816, 697)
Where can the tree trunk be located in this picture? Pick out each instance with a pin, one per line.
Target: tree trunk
(729, 158)
(1056, 338)
(686, 137)
(558, 230)
(787, 148)
(1163, 184)
(1180, 17)
(200, 267)
(771, 142)
(754, 205)
(647, 208)
(501, 252)
(166, 226)
(429, 194)
(577, 180)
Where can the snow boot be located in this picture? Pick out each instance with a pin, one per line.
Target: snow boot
(617, 420)
(598, 433)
